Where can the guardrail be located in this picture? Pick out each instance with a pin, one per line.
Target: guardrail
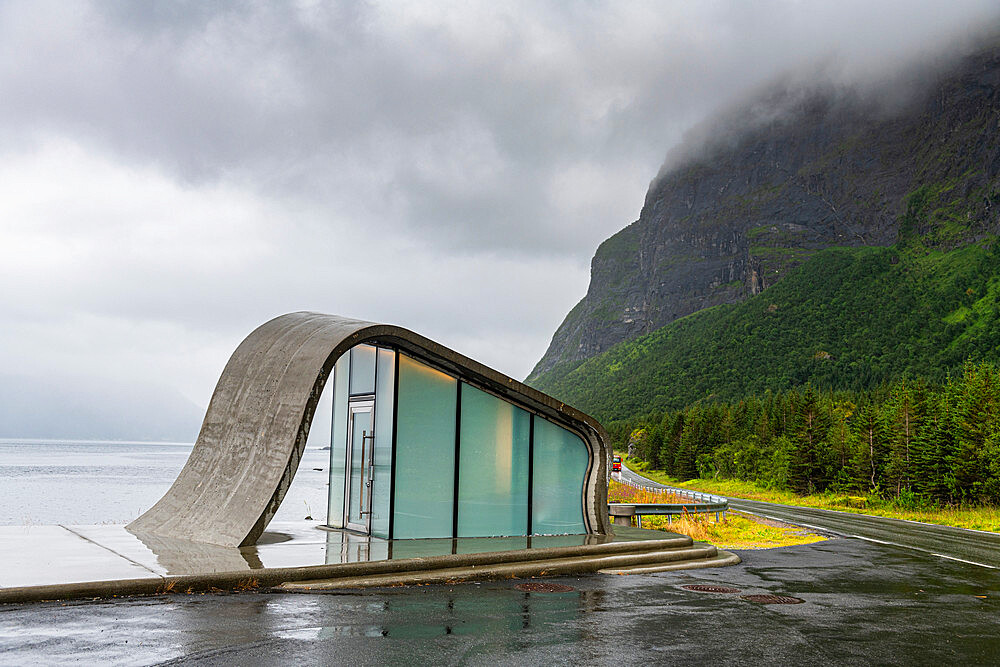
(701, 503)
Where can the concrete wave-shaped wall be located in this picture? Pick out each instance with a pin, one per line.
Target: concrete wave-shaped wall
(256, 425)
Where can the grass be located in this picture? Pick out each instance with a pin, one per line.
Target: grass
(734, 532)
(974, 518)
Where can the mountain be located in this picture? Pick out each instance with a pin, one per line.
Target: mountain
(799, 168)
(849, 318)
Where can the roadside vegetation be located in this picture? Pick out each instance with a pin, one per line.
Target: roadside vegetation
(973, 518)
(736, 531)
(910, 449)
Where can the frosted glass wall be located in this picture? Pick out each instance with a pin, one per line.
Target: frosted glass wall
(425, 451)
(493, 467)
(558, 474)
(382, 485)
(362, 369)
(498, 443)
(338, 442)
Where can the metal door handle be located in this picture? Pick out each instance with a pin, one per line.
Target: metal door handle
(371, 467)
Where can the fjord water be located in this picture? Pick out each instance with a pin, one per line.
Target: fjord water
(45, 482)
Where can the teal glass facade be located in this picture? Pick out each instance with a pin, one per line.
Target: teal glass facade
(447, 458)
(560, 467)
(493, 466)
(423, 503)
(338, 442)
(382, 477)
(362, 369)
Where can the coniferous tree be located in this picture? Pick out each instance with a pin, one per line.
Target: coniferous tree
(840, 440)
(903, 414)
(808, 472)
(975, 417)
(869, 446)
(674, 427)
(686, 460)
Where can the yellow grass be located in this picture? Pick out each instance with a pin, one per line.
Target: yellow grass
(735, 532)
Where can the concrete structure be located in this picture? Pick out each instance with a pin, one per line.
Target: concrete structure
(260, 414)
(622, 514)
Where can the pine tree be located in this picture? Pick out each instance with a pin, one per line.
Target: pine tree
(868, 460)
(903, 414)
(673, 428)
(840, 441)
(975, 413)
(686, 459)
(808, 473)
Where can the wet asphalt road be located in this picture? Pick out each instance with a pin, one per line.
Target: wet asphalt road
(864, 603)
(943, 541)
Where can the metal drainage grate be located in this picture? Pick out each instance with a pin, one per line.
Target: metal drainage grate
(539, 587)
(772, 599)
(706, 588)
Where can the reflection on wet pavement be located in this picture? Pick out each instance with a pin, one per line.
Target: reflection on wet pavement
(863, 604)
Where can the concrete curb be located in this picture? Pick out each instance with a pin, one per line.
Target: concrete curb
(533, 568)
(721, 559)
(247, 580)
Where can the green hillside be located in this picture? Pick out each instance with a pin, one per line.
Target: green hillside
(848, 318)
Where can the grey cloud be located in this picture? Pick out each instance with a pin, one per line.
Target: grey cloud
(328, 101)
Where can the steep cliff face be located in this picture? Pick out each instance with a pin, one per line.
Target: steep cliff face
(803, 171)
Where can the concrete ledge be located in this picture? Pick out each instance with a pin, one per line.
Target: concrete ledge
(721, 559)
(270, 577)
(583, 564)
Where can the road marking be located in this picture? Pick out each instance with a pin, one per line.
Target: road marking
(962, 560)
(926, 551)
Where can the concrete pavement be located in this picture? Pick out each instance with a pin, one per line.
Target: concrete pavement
(863, 604)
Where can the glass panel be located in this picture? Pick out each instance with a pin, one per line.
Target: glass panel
(338, 442)
(485, 544)
(425, 451)
(358, 492)
(362, 369)
(493, 470)
(559, 472)
(383, 443)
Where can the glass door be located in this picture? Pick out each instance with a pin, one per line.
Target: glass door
(360, 465)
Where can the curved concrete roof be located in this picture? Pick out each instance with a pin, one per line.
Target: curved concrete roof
(257, 421)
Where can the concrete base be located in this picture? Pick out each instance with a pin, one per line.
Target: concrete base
(621, 515)
(654, 555)
(59, 563)
(720, 559)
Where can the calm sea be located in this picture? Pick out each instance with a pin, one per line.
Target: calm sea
(89, 482)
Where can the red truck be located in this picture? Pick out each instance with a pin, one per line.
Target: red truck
(616, 464)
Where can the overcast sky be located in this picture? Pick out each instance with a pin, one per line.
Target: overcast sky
(174, 174)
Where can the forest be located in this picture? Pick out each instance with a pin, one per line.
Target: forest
(912, 441)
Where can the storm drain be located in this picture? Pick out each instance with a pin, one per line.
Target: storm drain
(707, 588)
(540, 587)
(772, 599)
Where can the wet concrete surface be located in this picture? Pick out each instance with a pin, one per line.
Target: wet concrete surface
(943, 541)
(864, 603)
(64, 555)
